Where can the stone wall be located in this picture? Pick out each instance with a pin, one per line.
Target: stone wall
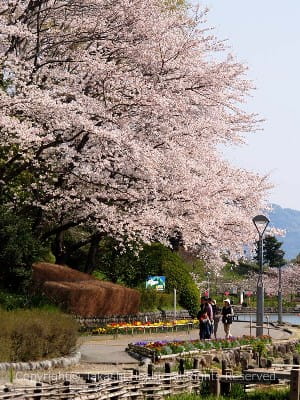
(61, 362)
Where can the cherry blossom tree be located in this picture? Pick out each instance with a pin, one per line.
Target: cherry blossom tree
(112, 116)
(290, 277)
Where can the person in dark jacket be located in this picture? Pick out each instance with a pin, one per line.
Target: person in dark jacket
(204, 316)
(217, 317)
(227, 316)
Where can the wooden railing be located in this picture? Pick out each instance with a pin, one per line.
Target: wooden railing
(151, 385)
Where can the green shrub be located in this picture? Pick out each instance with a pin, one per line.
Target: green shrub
(178, 277)
(152, 300)
(238, 394)
(260, 347)
(185, 397)
(189, 298)
(28, 335)
(12, 301)
(157, 259)
(149, 300)
(269, 394)
(165, 301)
(18, 250)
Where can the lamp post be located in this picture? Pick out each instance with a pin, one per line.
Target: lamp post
(279, 296)
(261, 222)
(208, 284)
(280, 263)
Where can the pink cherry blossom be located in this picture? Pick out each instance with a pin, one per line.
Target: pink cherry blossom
(114, 112)
(290, 278)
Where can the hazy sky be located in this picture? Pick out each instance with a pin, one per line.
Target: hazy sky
(265, 34)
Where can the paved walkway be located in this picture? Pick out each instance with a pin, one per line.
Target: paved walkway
(107, 350)
(105, 354)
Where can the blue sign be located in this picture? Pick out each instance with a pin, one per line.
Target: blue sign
(156, 282)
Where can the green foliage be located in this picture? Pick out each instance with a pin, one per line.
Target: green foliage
(189, 298)
(273, 255)
(11, 375)
(34, 335)
(272, 301)
(99, 275)
(75, 257)
(269, 394)
(148, 300)
(16, 187)
(18, 250)
(12, 301)
(152, 300)
(237, 391)
(244, 267)
(235, 272)
(238, 394)
(198, 268)
(229, 273)
(48, 256)
(297, 348)
(188, 345)
(260, 348)
(133, 268)
(157, 259)
(184, 397)
(120, 264)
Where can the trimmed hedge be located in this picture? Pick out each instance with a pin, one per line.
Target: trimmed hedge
(30, 335)
(152, 300)
(156, 259)
(83, 294)
(132, 269)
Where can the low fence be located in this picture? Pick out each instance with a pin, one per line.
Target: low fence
(162, 327)
(268, 310)
(166, 316)
(145, 317)
(152, 385)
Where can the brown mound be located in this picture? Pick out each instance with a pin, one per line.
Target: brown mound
(43, 272)
(83, 294)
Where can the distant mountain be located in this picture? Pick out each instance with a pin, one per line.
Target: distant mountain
(288, 219)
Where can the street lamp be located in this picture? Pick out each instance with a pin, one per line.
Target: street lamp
(261, 222)
(208, 284)
(279, 296)
(280, 254)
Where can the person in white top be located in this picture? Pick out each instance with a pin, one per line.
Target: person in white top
(227, 317)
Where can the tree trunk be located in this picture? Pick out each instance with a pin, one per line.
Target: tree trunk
(91, 257)
(58, 248)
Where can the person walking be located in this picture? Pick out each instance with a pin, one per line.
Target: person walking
(217, 317)
(204, 319)
(211, 314)
(227, 316)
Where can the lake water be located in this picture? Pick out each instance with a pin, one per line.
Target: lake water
(290, 318)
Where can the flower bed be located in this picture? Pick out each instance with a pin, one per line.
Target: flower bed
(143, 327)
(165, 347)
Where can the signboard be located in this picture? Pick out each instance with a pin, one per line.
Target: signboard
(234, 290)
(156, 282)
